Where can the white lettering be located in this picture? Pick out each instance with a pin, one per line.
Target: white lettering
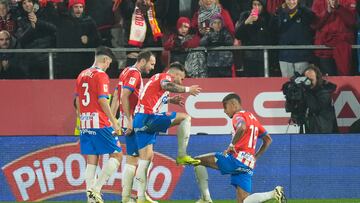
(207, 113)
(40, 176)
(349, 98)
(69, 169)
(23, 184)
(51, 175)
(263, 97)
(159, 170)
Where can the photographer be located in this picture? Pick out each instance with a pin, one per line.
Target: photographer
(321, 116)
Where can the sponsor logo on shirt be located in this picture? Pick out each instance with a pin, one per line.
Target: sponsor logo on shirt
(132, 81)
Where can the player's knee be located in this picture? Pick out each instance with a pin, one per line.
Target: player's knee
(117, 156)
(132, 160)
(184, 116)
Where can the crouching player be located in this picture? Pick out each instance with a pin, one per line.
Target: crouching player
(239, 158)
(148, 122)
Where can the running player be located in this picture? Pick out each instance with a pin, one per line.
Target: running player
(97, 123)
(148, 121)
(126, 96)
(239, 158)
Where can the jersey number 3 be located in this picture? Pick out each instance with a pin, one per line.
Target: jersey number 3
(86, 100)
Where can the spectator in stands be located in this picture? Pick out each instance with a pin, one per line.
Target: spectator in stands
(9, 62)
(34, 31)
(335, 25)
(292, 23)
(75, 30)
(208, 9)
(6, 21)
(218, 62)
(321, 116)
(253, 28)
(149, 37)
(178, 42)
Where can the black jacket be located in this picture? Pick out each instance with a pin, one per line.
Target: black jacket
(258, 33)
(42, 36)
(321, 117)
(293, 31)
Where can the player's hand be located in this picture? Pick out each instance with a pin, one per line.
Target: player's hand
(177, 99)
(194, 90)
(117, 129)
(230, 149)
(129, 127)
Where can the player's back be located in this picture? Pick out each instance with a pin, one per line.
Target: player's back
(152, 97)
(130, 78)
(245, 147)
(92, 84)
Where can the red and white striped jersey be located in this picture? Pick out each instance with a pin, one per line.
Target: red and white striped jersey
(130, 78)
(245, 147)
(153, 96)
(92, 84)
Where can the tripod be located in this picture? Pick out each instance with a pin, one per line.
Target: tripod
(301, 125)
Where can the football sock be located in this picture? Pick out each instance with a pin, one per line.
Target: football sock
(202, 180)
(183, 135)
(90, 175)
(259, 197)
(127, 181)
(107, 170)
(141, 178)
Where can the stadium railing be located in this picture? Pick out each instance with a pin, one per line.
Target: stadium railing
(265, 49)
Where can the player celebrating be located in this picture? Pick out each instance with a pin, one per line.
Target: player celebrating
(239, 158)
(96, 131)
(148, 122)
(127, 94)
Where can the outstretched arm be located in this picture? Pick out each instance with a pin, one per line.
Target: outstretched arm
(175, 88)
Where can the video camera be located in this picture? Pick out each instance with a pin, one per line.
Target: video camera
(294, 91)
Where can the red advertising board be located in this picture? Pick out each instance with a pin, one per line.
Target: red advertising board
(42, 107)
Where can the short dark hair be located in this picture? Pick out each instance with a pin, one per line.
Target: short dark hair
(230, 97)
(177, 65)
(146, 54)
(104, 50)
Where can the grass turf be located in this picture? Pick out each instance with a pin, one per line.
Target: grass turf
(232, 201)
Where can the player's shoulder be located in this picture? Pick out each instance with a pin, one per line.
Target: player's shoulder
(165, 76)
(100, 74)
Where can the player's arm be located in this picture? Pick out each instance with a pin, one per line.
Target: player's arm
(264, 146)
(175, 88)
(125, 103)
(104, 103)
(115, 102)
(240, 131)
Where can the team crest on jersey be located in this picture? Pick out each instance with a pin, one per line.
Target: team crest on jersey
(106, 88)
(132, 81)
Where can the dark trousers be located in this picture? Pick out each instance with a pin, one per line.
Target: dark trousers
(253, 68)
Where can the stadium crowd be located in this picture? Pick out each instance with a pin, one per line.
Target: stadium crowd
(29, 24)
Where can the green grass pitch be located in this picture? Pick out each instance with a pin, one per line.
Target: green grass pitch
(233, 201)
